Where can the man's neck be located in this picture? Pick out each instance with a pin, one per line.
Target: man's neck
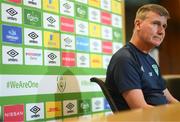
(141, 46)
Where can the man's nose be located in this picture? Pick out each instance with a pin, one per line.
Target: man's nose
(161, 30)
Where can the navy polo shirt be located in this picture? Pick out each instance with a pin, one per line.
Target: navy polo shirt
(130, 68)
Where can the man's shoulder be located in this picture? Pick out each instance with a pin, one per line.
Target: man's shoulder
(124, 52)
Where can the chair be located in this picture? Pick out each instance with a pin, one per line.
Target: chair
(106, 93)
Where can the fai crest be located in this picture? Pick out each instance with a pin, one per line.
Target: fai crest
(61, 83)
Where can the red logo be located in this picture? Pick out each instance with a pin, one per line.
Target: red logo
(106, 18)
(68, 59)
(14, 113)
(15, 1)
(107, 47)
(67, 24)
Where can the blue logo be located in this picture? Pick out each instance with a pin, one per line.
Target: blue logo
(106, 105)
(11, 34)
(50, 1)
(82, 44)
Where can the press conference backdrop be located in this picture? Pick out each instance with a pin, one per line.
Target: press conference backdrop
(49, 49)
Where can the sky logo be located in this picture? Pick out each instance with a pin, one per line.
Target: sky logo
(12, 34)
(82, 44)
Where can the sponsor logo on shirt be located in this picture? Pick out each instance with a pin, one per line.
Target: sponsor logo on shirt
(155, 67)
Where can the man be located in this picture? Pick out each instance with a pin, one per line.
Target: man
(133, 76)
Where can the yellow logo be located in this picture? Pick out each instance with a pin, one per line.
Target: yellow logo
(95, 3)
(94, 30)
(116, 7)
(51, 39)
(96, 61)
(51, 5)
(53, 109)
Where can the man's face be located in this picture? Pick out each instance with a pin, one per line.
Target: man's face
(152, 29)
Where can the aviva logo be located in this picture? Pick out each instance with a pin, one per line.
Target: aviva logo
(22, 84)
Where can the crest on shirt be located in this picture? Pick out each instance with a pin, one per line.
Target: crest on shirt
(155, 67)
(142, 69)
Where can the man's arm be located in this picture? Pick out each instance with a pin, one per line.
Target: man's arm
(135, 99)
(169, 97)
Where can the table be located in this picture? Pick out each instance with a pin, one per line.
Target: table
(164, 113)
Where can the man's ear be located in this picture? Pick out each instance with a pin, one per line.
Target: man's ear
(137, 24)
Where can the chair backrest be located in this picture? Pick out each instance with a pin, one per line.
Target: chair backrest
(106, 93)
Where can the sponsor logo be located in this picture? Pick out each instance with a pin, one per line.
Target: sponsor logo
(67, 42)
(117, 34)
(32, 37)
(67, 7)
(50, 1)
(33, 3)
(94, 30)
(14, 113)
(81, 27)
(106, 18)
(53, 109)
(33, 56)
(95, 3)
(67, 24)
(84, 106)
(97, 104)
(68, 59)
(32, 17)
(95, 45)
(116, 7)
(51, 39)
(155, 67)
(82, 60)
(52, 58)
(11, 13)
(106, 105)
(94, 14)
(50, 21)
(12, 55)
(61, 83)
(12, 34)
(81, 11)
(34, 111)
(116, 21)
(15, 1)
(106, 32)
(82, 43)
(106, 5)
(51, 5)
(69, 107)
(107, 47)
(96, 61)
